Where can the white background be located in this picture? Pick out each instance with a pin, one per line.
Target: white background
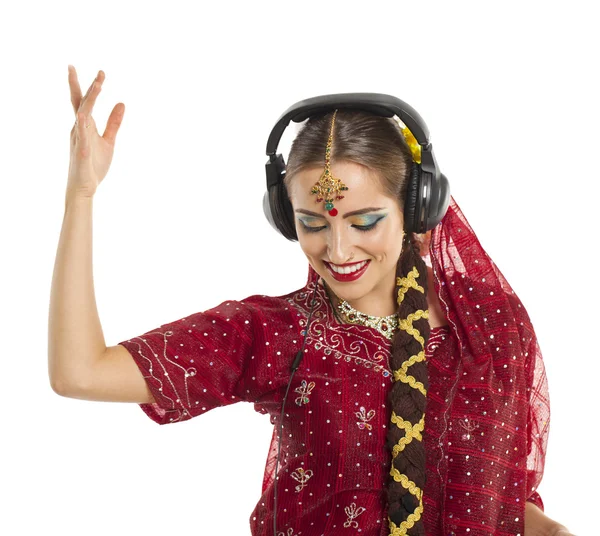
(509, 92)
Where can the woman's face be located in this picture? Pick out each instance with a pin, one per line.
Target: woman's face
(374, 235)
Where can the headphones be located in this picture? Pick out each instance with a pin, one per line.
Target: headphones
(428, 191)
(427, 194)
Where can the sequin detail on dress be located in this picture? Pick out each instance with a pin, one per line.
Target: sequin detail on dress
(367, 348)
(302, 476)
(469, 426)
(364, 418)
(352, 512)
(304, 390)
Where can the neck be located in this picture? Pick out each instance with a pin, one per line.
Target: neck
(373, 305)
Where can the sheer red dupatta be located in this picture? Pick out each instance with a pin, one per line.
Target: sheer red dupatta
(500, 357)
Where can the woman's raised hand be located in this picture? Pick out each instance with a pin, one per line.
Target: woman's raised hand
(91, 154)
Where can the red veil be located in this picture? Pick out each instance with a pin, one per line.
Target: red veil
(499, 396)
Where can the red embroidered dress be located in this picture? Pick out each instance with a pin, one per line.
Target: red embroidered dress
(486, 422)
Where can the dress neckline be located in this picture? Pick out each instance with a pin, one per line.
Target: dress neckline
(332, 318)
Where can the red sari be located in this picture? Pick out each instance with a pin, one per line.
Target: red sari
(486, 422)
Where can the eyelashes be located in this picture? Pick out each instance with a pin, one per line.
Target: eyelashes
(365, 228)
(361, 228)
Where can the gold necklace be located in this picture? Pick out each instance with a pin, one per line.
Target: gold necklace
(386, 325)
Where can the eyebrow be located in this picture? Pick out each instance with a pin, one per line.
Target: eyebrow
(347, 215)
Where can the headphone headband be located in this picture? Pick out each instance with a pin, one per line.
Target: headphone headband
(375, 103)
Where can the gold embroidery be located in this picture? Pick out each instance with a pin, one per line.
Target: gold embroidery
(408, 282)
(401, 374)
(416, 515)
(406, 483)
(304, 390)
(410, 432)
(413, 359)
(302, 476)
(407, 326)
(398, 375)
(352, 512)
(400, 530)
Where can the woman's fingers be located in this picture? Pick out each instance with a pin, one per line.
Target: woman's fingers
(87, 103)
(114, 122)
(83, 104)
(83, 107)
(75, 89)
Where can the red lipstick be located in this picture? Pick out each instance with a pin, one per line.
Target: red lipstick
(348, 277)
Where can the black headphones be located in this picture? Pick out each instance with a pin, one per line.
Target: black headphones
(427, 194)
(428, 190)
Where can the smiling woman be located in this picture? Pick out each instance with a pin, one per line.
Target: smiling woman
(419, 396)
(371, 160)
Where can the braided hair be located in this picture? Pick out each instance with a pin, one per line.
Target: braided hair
(377, 143)
(408, 395)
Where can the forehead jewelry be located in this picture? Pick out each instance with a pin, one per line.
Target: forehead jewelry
(328, 187)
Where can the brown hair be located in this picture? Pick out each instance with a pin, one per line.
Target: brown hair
(377, 142)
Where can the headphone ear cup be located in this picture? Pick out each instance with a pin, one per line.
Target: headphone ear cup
(279, 211)
(268, 212)
(410, 203)
(439, 202)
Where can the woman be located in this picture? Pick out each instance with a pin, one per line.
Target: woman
(420, 403)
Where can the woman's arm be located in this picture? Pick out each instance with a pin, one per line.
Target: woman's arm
(75, 336)
(539, 524)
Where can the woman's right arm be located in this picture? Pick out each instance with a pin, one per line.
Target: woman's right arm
(79, 363)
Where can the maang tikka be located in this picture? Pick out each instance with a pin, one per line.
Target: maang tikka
(328, 187)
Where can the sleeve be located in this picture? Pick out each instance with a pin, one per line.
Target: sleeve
(538, 420)
(198, 362)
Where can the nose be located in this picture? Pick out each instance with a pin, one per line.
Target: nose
(338, 246)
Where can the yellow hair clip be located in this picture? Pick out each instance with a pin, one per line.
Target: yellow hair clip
(411, 141)
(413, 144)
